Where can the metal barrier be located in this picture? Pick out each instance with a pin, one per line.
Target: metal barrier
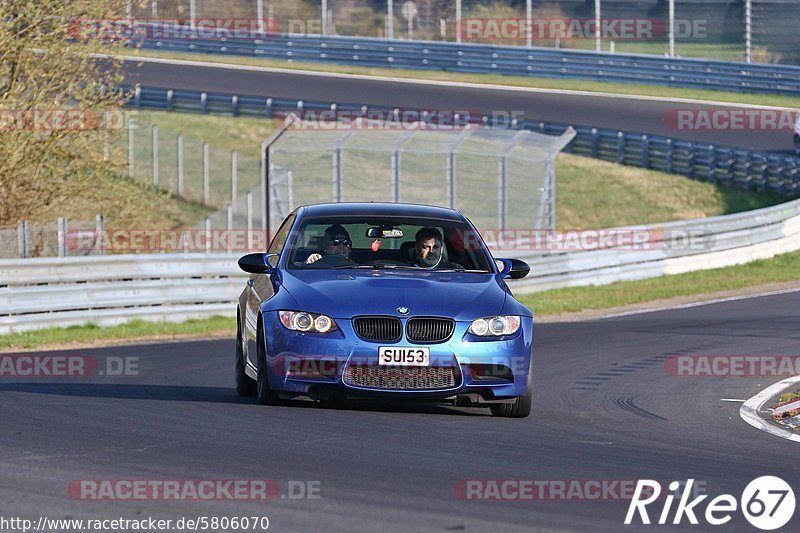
(50, 292)
(108, 290)
(671, 248)
(727, 165)
(483, 59)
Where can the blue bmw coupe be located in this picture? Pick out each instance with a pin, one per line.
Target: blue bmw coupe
(383, 300)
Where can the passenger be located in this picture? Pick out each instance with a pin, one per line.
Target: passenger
(427, 251)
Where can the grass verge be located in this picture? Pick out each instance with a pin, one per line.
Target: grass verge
(788, 396)
(136, 329)
(494, 79)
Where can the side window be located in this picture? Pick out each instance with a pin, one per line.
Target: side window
(280, 237)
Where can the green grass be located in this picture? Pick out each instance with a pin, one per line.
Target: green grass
(597, 194)
(496, 79)
(781, 268)
(787, 396)
(137, 329)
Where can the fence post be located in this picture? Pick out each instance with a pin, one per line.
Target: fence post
(670, 157)
(204, 103)
(501, 193)
(249, 207)
(100, 230)
(22, 238)
(155, 155)
(451, 179)
(229, 227)
(337, 175)
(131, 146)
(690, 158)
(711, 175)
(620, 148)
(395, 163)
(207, 227)
(265, 168)
(595, 142)
(645, 152)
(206, 177)
(180, 165)
(62, 237)
(290, 187)
(234, 178)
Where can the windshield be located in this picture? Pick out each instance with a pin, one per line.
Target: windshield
(390, 243)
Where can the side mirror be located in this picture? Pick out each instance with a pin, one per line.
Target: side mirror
(514, 268)
(258, 263)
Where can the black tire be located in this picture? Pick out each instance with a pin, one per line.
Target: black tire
(244, 385)
(264, 394)
(521, 406)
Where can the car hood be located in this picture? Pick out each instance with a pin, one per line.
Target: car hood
(344, 294)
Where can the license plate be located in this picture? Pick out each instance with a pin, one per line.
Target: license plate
(396, 356)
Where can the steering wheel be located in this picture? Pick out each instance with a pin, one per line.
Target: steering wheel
(330, 261)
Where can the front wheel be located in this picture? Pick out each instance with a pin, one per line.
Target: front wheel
(244, 385)
(521, 406)
(264, 394)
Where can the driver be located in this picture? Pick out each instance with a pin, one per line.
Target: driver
(336, 242)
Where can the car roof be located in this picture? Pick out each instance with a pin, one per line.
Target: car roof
(379, 209)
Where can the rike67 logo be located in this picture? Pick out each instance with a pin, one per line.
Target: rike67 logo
(767, 503)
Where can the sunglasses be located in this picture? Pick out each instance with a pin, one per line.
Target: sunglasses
(340, 242)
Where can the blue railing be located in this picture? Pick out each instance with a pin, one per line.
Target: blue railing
(483, 59)
(727, 165)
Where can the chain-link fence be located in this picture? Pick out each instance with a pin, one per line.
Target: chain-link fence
(501, 178)
(715, 29)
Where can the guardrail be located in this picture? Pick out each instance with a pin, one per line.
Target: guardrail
(48, 292)
(673, 248)
(482, 59)
(719, 164)
(108, 290)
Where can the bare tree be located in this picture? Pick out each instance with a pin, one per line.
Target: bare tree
(60, 105)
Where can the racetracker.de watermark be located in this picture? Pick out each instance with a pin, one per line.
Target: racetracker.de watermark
(546, 489)
(334, 119)
(35, 365)
(193, 489)
(732, 366)
(220, 28)
(564, 28)
(697, 119)
(64, 119)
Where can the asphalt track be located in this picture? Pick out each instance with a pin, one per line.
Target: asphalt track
(604, 409)
(637, 115)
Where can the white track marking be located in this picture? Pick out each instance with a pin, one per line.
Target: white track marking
(750, 408)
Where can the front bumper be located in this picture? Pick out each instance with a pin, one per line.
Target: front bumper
(306, 364)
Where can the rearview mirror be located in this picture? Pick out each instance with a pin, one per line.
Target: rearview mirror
(258, 263)
(384, 232)
(514, 268)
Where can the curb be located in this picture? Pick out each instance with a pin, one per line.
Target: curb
(751, 408)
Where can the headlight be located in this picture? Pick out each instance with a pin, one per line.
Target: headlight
(302, 321)
(495, 326)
